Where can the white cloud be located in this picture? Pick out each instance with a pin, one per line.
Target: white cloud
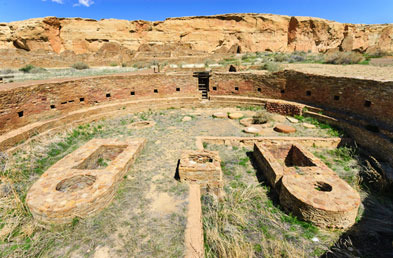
(56, 1)
(86, 3)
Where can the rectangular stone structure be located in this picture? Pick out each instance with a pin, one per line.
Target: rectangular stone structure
(83, 182)
(203, 168)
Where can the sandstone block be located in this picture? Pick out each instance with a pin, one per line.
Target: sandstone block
(284, 129)
(235, 115)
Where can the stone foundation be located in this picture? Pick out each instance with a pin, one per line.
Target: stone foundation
(203, 168)
(84, 182)
(306, 186)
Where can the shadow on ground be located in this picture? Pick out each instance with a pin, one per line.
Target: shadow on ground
(372, 236)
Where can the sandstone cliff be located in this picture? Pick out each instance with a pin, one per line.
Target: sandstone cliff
(55, 41)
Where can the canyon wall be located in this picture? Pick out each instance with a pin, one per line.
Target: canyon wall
(55, 41)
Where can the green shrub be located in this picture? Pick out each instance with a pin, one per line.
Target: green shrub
(32, 69)
(113, 64)
(80, 66)
(344, 58)
(27, 68)
(123, 65)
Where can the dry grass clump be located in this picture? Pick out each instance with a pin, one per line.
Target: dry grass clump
(272, 67)
(80, 66)
(234, 229)
(344, 58)
(261, 117)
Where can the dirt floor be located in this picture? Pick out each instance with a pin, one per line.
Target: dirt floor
(147, 218)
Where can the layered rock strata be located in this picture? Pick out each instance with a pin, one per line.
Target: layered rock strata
(55, 41)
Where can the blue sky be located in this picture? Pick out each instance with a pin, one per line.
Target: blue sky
(351, 11)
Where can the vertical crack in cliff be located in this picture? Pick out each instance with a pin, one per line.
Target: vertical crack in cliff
(347, 42)
(53, 30)
(292, 29)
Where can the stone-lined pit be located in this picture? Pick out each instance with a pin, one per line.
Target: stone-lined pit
(75, 183)
(202, 158)
(323, 187)
(102, 157)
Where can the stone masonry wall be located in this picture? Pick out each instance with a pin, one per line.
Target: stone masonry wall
(365, 104)
(260, 84)
(24, 103)
(371, 100)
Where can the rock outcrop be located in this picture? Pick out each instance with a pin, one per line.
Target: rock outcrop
(55, 41)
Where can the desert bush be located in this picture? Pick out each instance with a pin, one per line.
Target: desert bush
(344, 58)
(294, 58)
(80, 66)
(280, 57)
(271, 67)
(26, 68)
(315, 58)
(261, 117)
(113, 64)
(123, 65)
(38, 70)
(377, 53)
(32, 69)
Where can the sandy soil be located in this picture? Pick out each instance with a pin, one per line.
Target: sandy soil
(369, 72)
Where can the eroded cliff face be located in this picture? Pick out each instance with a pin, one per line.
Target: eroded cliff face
(55, 41)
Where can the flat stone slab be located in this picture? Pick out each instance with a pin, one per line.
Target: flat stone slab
(252, 130)
(84, 182)
(247, 122)
(186, 119)
(281, 128)
(220, 115)
(278, 118)
(292, 120)
(308, 126)
(235, 115)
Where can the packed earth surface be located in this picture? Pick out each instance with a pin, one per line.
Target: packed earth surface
(148, 215)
